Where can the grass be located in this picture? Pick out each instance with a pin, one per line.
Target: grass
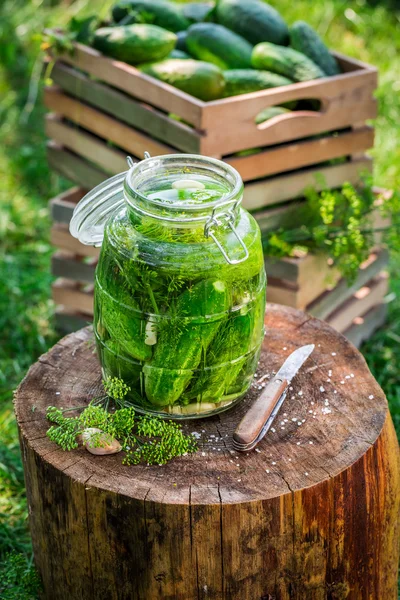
(361, 29)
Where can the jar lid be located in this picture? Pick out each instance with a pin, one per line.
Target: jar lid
(93, 211)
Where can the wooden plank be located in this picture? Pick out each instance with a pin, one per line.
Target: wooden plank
(62, 239)
(134, 113)
(365, 326)
(73, 296)
(62, 206)
(280, 188)
(361, 302)
(129, 79)
(73, 167)
(331, 299)
(70, 266)
(109, 159)
(346, 99)
(106, 127)
(67, 321)
(295, 155)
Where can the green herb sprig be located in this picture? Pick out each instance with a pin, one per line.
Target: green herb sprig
(143, 438)
(338, 223)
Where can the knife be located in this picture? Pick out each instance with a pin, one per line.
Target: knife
(258, 419)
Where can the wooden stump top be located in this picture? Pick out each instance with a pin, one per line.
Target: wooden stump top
(333, 414)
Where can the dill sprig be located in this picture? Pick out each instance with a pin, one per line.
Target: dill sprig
(338, 223)
(143, 439)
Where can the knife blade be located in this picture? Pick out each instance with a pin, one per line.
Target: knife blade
(259, 418)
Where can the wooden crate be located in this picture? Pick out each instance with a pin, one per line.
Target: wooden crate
(103, 109)
(308, 283)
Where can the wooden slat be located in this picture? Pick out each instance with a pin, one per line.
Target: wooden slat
(346, 99)
(361, 302)
(363, 327)
(67, 321)
(70, 266)
(62, 206)
(126, 109)
(73, 167)
(331, 299)
(291, 185)
(106, 127)
(295, 155)
(109, 159)
(62, 239)
(73, 296)
(132, 81)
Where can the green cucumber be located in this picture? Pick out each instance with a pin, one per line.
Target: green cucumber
(119, 364)
(245, 81)
(178, 351)
(121, 316)
(254, 20)
(198, 78)
(218, 45)
(285, 61)
(270, 112)
(224, 359)
(179, 54)
(157, 12)
(305, 39)
(134, 44)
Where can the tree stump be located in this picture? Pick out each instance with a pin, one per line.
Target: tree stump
(312, 514)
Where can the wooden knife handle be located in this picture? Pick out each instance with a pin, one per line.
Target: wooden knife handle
(255, 418)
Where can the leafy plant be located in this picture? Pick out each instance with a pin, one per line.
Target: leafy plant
(19, 579)
(143, 439)
(338, 223)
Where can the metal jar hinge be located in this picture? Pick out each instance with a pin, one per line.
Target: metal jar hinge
(225, 218)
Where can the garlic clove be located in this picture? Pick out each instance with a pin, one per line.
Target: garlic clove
(186, 184)
(99, 443)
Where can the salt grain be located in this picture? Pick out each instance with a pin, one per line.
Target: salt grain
(294, 419)
(204, 454)
(267, 470)
(347, 377)
(306, 474)
(342, 382)
(300, 393)
(257, 450)
(239, 480)
(273, 430)
(274, 463)
(312, 403)
(351, 374)
(284, 348)
(333, 353)
(298, 443)
(58, 393)
(321, 389)
(310, 442)
(335, 391)
(371, 397)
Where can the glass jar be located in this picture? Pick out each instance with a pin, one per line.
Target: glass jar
(180, 284)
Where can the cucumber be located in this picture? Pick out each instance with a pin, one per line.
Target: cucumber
(181, 41)
(178, 54)
(195, 77)
(218, 45)
(245, 81)
(134, 44)
(156, 12)
(270, 112)
(122, 319)
(254, 20)
(305, 39)
(119, 364)
(285, 61)
(224, 359)
(178, 352)
(196, 12)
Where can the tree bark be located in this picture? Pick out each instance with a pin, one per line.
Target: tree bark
(312, 515)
